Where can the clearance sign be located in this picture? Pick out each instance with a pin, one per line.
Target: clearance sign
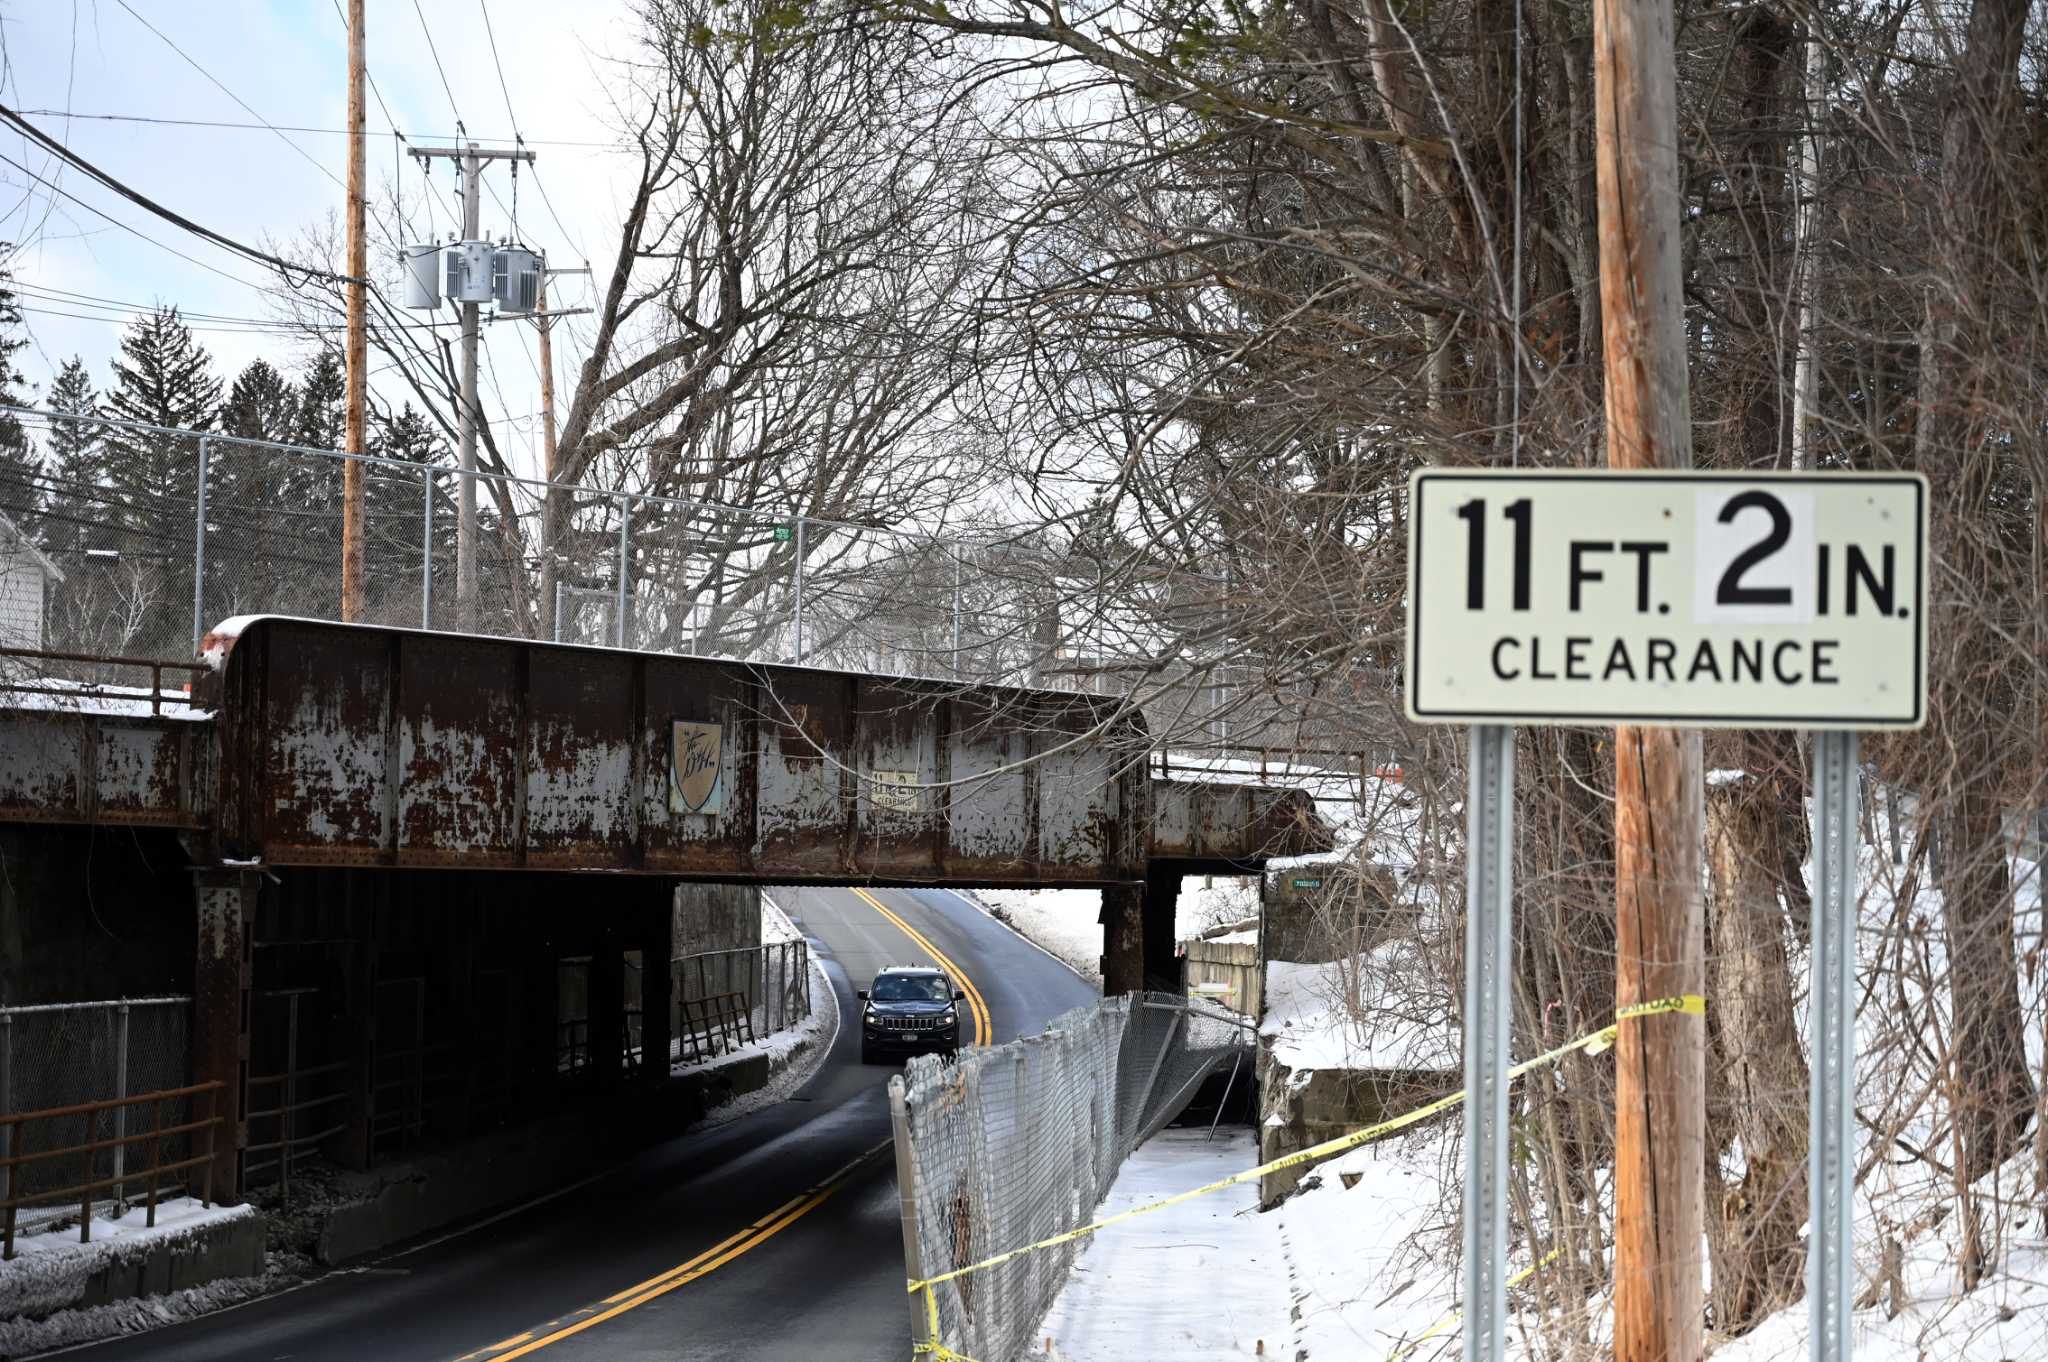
(1754, 600)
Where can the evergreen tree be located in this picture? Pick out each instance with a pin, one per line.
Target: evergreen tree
(164, 378)
(394, 514)
(252, 494)
(75, 461)
(320, 422)
(316, 482)
(261, 405)
(21, 490)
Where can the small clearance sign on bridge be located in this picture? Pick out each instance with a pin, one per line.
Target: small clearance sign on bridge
(1754, 600)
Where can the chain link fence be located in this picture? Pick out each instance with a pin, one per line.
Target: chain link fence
(1016, 1143)
(67, 1054)
(145, 537)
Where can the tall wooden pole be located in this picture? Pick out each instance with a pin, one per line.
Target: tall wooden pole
(1660, 1089)
(358, 355)
(547, 386)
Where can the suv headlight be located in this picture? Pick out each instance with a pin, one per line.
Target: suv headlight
(949, 1015)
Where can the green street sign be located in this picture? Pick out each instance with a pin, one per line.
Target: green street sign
(1306, 884)
(782, 534)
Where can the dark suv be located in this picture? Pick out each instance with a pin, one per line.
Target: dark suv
(909, 1008)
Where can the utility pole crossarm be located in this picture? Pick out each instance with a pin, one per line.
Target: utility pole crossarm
(470, 151)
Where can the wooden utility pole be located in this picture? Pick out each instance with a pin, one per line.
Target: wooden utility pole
(357, 359)
(547, 384)
(1660, 1076)
(551, 520)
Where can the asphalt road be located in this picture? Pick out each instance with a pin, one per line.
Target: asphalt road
(771, 1237)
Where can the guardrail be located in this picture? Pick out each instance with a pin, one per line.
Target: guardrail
(54, 685)
(90, 1150)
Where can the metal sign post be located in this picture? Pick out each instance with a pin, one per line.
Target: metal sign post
(1489, 880)
(1831, 1007)
(1694, 599)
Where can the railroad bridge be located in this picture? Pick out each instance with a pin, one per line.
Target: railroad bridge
(328, 808)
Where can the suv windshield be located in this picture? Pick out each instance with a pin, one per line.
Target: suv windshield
(911, 988)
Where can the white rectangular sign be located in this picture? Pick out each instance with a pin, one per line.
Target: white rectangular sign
(1751, 600)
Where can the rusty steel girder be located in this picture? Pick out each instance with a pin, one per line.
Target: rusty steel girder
(1223, 828)
(74, 762)
(349, 745)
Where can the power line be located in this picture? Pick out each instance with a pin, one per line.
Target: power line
(435, 52)
(505, 89)
(229, 93)
(390, 122)
(60, 190)
(168, 215)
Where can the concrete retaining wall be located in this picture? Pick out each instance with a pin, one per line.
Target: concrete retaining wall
(64, 1276)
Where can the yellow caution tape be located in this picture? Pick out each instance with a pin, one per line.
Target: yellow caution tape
(1688, 1004)
(1594, 1043)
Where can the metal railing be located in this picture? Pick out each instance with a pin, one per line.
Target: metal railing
(773, 978)
(68, 1056)
(292, 1092)
(40, 671)
(151, 1175)
(714, 1026)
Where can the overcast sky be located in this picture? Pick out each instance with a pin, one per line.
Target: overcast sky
(287, 61)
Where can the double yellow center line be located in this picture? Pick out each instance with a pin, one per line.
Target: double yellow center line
(682, 1274)
(754, 1235)
(984, 1031)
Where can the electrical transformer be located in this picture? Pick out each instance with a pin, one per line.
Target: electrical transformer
(469, 272)
(515, 279)
(421, 262)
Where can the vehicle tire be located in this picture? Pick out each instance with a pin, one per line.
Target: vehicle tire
(867, 1053)
(952, 1052)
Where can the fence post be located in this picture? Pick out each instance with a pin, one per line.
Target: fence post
(625, 567)
(799, 588)
(427, 548)
(906, 1196)
(199, 551)
(120, 1113)
(156, 1151)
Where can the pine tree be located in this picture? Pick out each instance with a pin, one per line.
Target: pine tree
(21, 490)
(75, 461)
(261, 405)
(252, 493)
(316, 482)
(165, 378)
(394, 514)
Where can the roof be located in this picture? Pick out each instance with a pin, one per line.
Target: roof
(909, 969)
(9, 531)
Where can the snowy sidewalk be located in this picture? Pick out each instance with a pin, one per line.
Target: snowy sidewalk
(1204, 1279)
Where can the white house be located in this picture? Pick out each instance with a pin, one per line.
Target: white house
(26, 576)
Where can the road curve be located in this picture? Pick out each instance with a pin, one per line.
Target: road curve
(770, 1237)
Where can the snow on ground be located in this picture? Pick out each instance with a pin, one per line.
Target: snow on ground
(51, 1269)
(1314, 1021)
(1204, 1279)
(793, 1056)
(134, 1315)
(1066, 922)
(775, 924)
